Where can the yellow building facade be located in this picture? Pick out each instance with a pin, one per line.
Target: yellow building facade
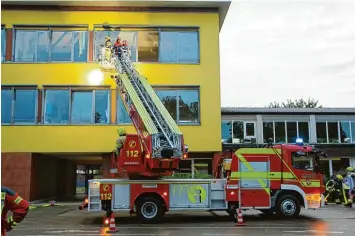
(50, 106)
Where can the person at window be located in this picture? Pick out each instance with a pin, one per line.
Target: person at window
(117, 47)
(11, 201)
(108, 48)
(120, 141)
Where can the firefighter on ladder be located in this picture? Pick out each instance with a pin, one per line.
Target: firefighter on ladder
(11, 201)
(120, 141)
(108, 49)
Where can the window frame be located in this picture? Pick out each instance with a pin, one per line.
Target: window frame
(50, 46)
(72, 89)
(177, 89)
(13, 91)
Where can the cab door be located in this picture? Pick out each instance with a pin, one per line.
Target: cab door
(255, 183)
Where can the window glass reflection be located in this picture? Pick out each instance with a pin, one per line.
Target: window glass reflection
(238, 131)
(188, 48)
(291, 132)
(25, 106)
(102, 106)
(227, 131)
(268, 131)
(280, 135)
(321, 129)
(56, 109)
(6, 105)
(303, 131)
(169, 99)
(148, 43)
(82, 112)
(353, 131)
(122, 114)
(345, 136)
(3, 44)
(333, 132)
(188, 106)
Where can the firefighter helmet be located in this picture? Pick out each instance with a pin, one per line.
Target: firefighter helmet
(121, 131)
(340, 177)
(350, 169)
(107, 38)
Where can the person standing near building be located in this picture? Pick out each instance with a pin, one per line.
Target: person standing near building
(349, 186)
(11, 201)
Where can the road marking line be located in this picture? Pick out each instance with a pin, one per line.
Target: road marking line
(315, 231)
(222, 234)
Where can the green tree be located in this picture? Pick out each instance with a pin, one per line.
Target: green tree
(298, 103)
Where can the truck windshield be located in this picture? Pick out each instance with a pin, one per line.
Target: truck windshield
(303, 162)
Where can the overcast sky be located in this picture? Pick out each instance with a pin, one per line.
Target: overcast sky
(280, 49)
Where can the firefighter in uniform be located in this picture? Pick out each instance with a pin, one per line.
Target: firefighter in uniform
(120, 141)
(348, 187)
(334, 187)
(108, 48)
(11, 201)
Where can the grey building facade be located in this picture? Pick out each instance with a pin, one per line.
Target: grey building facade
(332, 129)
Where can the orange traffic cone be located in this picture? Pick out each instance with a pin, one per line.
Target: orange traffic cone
(240, 221)
(113, 228)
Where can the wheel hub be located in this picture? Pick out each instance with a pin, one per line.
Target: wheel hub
(149, 210)
(288, 207)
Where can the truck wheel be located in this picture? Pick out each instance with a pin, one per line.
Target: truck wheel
(288, 206)
(150, 210)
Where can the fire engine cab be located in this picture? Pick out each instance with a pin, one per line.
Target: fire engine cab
(275, 178)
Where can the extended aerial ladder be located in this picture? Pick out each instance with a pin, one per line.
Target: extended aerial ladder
(159, 144)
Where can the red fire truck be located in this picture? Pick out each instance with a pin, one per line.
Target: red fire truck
(277, 179)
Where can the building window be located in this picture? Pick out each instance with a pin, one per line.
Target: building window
(268, 131)
(77, 106)
(238, 131)
(179, 46)
(280, 134)
(345, 132)
(18, 105)
(3, 43)
(122, 114)
(303, 131)
(56, 106)
(226, 131)
(6, 105)
(148, 42)
(353, 131)
(130, 36)
(321, 130)
(291, 132)
(182, 104)
(285, 132)
(69, 46)
(50, 46)
(333, 135)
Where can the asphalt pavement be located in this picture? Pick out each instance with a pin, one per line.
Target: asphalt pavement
(68, 220)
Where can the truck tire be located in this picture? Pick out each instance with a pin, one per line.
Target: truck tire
(150, 210)
(288, 206)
